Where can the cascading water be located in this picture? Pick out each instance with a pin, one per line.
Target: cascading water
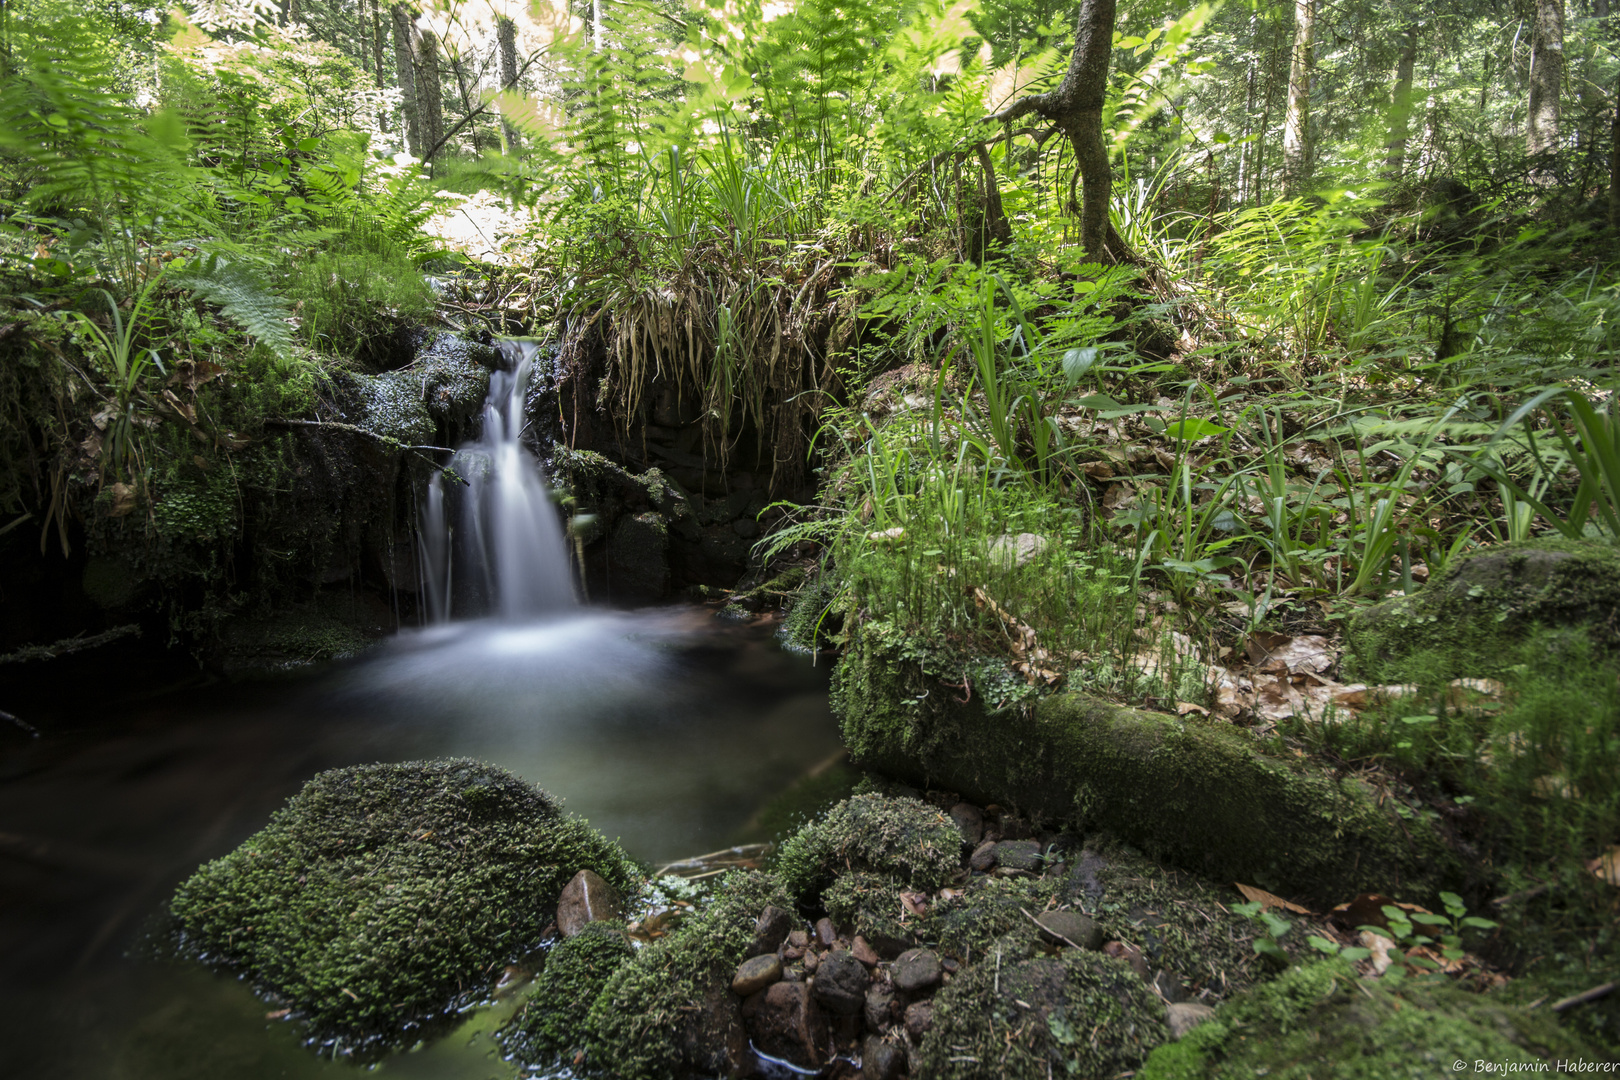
(492, 543)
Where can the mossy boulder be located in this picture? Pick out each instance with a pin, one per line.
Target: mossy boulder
(550, 1026)
(1194, 792)
(1012, 1017)
(384, 896)
(1472, 619)
(1323, 1023)
(671, 1013)
(904, 840)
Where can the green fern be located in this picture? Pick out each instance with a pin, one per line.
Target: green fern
(243, 297)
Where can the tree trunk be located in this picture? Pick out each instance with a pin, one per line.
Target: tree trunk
(1614, 163)
(1245, 169)
(1076, 108)
(378, 34)
(506, 44)
(1546, 77)
(430, 94)
(405, 65)
(1400, 112)
(1297, 124)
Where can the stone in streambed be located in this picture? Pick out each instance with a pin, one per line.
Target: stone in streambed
(786, 1023)
(983, 859)
(1184, 1016)
(840, 984)
(1070, 928)
(917, 969)
(771, 928)
(969, 821)
(880, 1006)
(587, 899)
(918, 1019)
(881, 1060)
(1018, 854)
(755, 974)
(862, 950)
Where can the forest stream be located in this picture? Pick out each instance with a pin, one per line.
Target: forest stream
(666, 728)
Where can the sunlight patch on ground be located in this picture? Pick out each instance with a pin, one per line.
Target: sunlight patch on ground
(481, 226)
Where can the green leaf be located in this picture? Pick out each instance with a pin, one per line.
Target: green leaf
(1193, 429)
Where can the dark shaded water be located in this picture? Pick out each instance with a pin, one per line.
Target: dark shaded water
(667, 729)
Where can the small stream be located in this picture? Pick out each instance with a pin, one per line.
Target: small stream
(666, 728)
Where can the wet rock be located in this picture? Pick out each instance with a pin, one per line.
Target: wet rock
(812, 962)
(1082, 881)
(919, 1018)
(916, 970)
(841, 982)
(587, 899)
(1013, 827)
(798, 939)
(786, 1023)
(970, 821)
(1018, 854)
(862, 951)
(826, 933)
(881, 1060)
(1186, 1015)
(1070, 928)
(756, 974)
(983, 858)
(638, 556)
(771, 928)
(880, 1007)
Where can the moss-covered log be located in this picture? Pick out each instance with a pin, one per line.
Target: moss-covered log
(1197, 793)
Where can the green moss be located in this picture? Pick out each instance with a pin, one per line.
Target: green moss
(1197, 793)
(1321, 1022)
(812, 619)
(904, 839)
(657, 1015)
(987, 911)
(1077, 1014)
(384, 895)
(1470, 620)
(551, 1024)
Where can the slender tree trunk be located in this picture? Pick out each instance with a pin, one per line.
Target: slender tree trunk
(362, 29)
(378, 34)
(1546, 77)
(1297, 125)
(1251, 83)
(506, 44)
(430, 93)
(1400, 112)
(1614, 163)
(405, 66)
(1076, 108)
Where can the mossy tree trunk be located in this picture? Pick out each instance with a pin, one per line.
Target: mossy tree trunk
(1546, 77)
(1400, 112)
(1076, 108)
(430, 94)
(1297, 123)
(405, 71)
(506, 45)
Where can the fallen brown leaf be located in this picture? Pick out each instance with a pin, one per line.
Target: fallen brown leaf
(1607, 866)
(1269, 900)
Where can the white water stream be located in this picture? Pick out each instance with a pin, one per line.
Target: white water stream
(492, 544)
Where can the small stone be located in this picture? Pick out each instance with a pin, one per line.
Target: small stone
(950, 964)
(969, 822)
(1170, 987)
(825, 932)
(785, 1023)
(1131, 955)
(812, 961)
(881, 1060)
(791, 954)
(840, 985)
(919, 1018)
(770, 929)
(983, 858)
(1007, 552)
(917, 969)
(879, 1007)
(798, 939)
(587, 899)
(1070, 928)
(755, 974)
(1018, 854)
(863, 952)
(1186, 1015)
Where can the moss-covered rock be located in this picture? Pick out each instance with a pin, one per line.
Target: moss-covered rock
(383, 896)
(1323, 1023)
(1471, 620)
(671, 1013)
(1011, 1018)
(1197, 793)
(905, 840)
(550, 1026)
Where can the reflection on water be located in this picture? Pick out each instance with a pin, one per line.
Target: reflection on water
(666, 729)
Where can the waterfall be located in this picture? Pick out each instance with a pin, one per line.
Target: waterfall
(492, 544)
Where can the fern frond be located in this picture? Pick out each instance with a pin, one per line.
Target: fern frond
(243, 297)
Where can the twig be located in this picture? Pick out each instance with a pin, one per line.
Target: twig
(1583, 997)
(63, 648)
(1049, 930)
